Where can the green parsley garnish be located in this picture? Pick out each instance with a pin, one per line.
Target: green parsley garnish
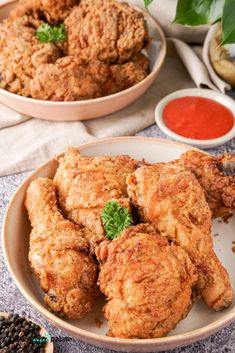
(115, 219)
(46, 33)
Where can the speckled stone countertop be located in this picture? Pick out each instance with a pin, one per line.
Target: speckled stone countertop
(12, 300)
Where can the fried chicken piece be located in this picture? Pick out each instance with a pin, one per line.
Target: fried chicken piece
(127, 75)
(85, 184)
(59, 254)
(170, 197)
(105, 30)
(71, 79)
(148, 282)
(219, 188)
(53, 11)
(21, 53)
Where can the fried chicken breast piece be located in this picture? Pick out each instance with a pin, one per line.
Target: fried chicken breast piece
(53, 11)
(21, 53)
(219, 188)
(170, 197)
(71, 79)
(106, 30)
(85, 184)
(148, 283)
(59, 254)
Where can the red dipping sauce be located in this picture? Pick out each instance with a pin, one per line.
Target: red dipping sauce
(198, 118)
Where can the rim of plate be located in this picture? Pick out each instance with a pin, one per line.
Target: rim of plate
(158, 64)
(218, 97)
(177, 340)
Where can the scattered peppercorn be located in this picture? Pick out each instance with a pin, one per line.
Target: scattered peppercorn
(20, 335)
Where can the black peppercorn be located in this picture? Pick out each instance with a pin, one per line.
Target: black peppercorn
(19, 335)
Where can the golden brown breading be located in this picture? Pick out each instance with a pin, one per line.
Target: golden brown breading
(85, 184)
(148, 282)
(30, 68)
(71, 79)
(170, 197)
(127, 75)
(219, 188)
(53, 11)
(59, 254)
(105, 30)
(21, 53)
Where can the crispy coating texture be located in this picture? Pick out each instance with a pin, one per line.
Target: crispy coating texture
(85, 184)
(21, 53)
(219, 188)
(148, 283)
(59, 254)
(71, 79)
(53, 11)
(170, 197)
(89, 65)
(105, 30)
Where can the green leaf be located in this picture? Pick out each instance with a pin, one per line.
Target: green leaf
(228, 22)
(147, 2)
(46, 33)
(115, 219)
(198, 12)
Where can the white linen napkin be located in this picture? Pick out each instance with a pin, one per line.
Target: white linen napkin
(26, 142)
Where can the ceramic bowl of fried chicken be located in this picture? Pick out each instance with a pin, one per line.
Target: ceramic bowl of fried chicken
(127, 243)
(76, 60)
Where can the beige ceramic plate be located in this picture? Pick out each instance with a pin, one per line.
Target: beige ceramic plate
(94, 108)
(201, 321)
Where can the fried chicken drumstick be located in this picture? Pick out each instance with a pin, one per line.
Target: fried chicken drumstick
(170, 197)
(148, 282)
(219, 188)
(59, 254)
(85, 184)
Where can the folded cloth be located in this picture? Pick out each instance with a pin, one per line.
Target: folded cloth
(26, 142)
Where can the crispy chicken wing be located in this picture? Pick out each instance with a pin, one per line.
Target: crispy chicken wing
(85, 184)
(59, 254)
(106, 30)
(148, 282)
(219, 188)
(170, 197)
(70, 78)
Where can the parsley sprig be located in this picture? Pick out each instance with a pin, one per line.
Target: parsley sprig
(115, 219)
(46, 33)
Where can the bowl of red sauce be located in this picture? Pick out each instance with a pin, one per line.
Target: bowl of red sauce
(198, 117)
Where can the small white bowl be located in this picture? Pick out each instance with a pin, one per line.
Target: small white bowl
(196, 92)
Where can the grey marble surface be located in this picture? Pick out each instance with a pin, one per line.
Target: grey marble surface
(12, 300)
